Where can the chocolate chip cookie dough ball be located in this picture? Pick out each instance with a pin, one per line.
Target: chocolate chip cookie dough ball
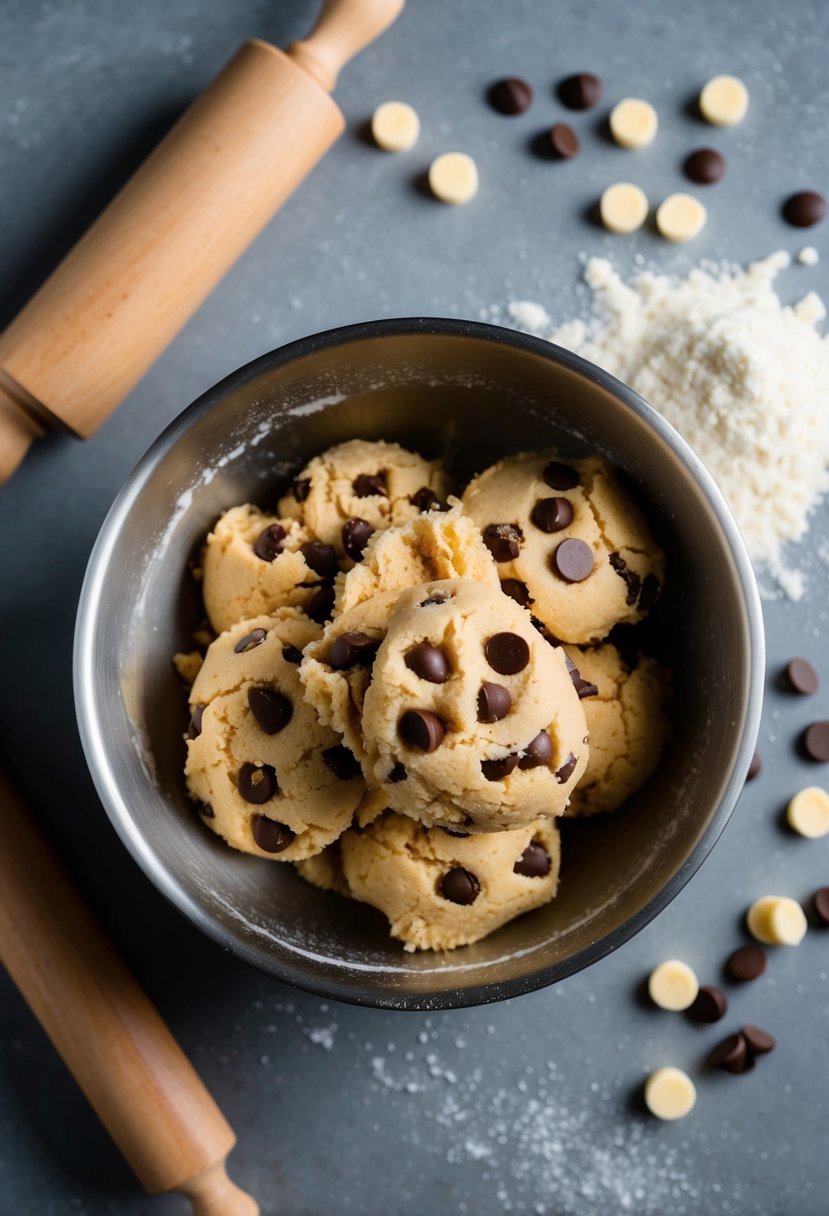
(470, 719)
(628, 725)
(568, 542)
(325, 870)
(360, 487)
(440, 890)
(269, 777)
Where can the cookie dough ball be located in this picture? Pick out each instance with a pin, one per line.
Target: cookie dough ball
(325, 870)
(471, 719)
(359, 487)
(270, 778)
(440, 890)
(627, 724)
(568, 542)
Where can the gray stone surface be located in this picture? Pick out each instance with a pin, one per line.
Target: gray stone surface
(528, 1106)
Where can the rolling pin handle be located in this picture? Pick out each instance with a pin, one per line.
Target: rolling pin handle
(344, 28)
(213, 1194)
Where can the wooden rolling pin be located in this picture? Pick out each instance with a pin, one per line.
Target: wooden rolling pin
(143, 1087)
(147, 263)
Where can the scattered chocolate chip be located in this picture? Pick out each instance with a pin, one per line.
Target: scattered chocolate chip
(710, 1005)
(322, 559)
(730, 1054)
(583, 687)
(566, 771)
(194, 727)
(459, 886)
(552, 514)
(629, 577)
(440, 597)
(398, 773)
(517, 591)
(802, 677)
(429, 662)
(705, 166)
(534, 862)
(758, 1041)
(272, 837)
(581, 91)
(804, 209)
(573, 560)
(271, 709)
(292, 654)
(250, 640)
(351, 648)
(746, 963)
(321, 604)
(820, 901)
(538, 752)
(560, 476)
(816, 741)
(370, 485)
(421, 729)
(510, 95)
(507, 653)
(649, 593)
(754, 767)
(503, 541)
(499, 770)
(452, 832)
(342, 762)
(564, 141)
(356, 534)
(425, 499)
(494, 702)
(301, 488)
(268, 543)
(206, 810)
(257, 783)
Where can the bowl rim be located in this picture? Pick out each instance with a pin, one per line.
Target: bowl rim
(318, 981)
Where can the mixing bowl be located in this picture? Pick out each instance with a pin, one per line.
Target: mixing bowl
(471, 393)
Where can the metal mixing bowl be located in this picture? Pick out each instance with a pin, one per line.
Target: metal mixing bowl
(471, 393)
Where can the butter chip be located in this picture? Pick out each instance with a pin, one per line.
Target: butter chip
(395, 126)
(633, 123)
(453, 177)
(673, 985)
(623, 208)
(681, 217)
(776, 920)
(670, 1093)
(724, 101)
(808, 812)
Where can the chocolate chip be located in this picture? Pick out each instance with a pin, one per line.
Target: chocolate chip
(820, 901)
(802, 677)
(268, 543)
(804, 209)
(649, 594)
(510, 95)
(250, 641)
(421, 729)
(573, 560)
(552, 514)
(459, 886)
(517, 591)
(194, 727)
(292, 654)
(429, 662)
(342, 762)
(321, 604)
(301, 488)
(206, 810)
(538, 752)
(560, 476)
(816, 741)
(730, 1054)
(356, 534)
(629, 577)
(709, 1006)
(398, 773)
(583, 687)
(507, 653)
(565, 142)
(425, 499)
(257, 783)
(705, 166)
(746, 963)
(351, 648)
(457, 835)
(503, 541)
(758, 1041)
(566, 771)
(322, 559)
(440, 597)
(581, 91)
(370, 485)
(754, 767)
(494, 702)
(534, 862)
(499, 770)
(271, 709)
(272, 837)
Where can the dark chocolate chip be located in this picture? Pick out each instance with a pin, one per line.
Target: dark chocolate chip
(507, 653)
(517, 591)
(510, 96)
(566, 771)
(730, 1054)
(534, 862)
(457, 835)
(342, 762)
(573, 560)
(758, 1041)
(250, 641)
(705, 166)
(322, 559)
(816, 741)
(494, 702)
(804, 209)
(564, 141)
(398, 773)
(425, 499)
(649, 593)
(257, 783)
(206, 810)
(194, 727)
(552, 514)
(268, 543)
(560, 476)
(440, 597)
(356, 534)
(351, 648)
(709, 1006)
(459, 886)
(538, 752)
(503, 541)
(629, 577)
(429, 662)
(754, 767)
(499, 770)
(802, 677)
(421, 729)
(581, 91)
(321, 604)
(583, 687)
(271, 709)
(370, 485)
(272, 837)
(292, 654)
(301, 488)
(746, 963)
(820, 901)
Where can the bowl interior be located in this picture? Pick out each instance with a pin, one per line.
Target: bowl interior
(472, 395)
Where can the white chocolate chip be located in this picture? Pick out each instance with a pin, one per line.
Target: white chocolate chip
(395, 126)
(453, 177)
(808, 812)
(776, 920)
(623, 208)
(681, 217)
(633, 123)
(808, 256)
(673, 985)
(724, 101)
(670, 1093)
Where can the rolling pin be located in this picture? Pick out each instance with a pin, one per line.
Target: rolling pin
(137, 276)
(143, 1087)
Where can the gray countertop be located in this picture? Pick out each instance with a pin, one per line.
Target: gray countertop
(529, 1106)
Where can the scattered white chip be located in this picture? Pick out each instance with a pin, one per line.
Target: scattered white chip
(673, 985)
(724, 101)
(808, 256)
(808, 812)
(670, 1093)
(633, 123)
(453, 177)
(623, 208)
(681, 217)
(776, 920)
(395, 126)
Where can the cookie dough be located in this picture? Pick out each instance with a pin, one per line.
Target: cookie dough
(268, 776)
(627, 725)
(568, 542)
(471, 719)
(359, 487)
(325, 870)
(440, 890)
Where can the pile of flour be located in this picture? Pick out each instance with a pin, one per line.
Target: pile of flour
(742, 377)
